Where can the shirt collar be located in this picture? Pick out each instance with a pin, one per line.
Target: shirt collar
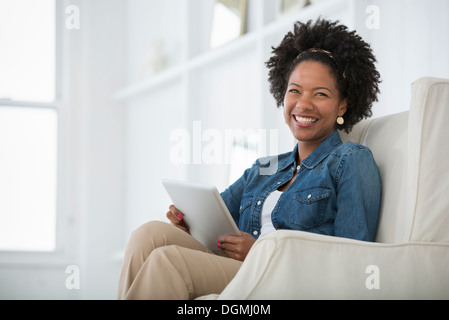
(324, 149)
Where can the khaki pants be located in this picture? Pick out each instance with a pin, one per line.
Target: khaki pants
(164, 262)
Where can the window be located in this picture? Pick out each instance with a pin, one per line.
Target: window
(28, 125)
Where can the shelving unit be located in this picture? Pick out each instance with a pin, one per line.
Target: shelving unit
(255, 38)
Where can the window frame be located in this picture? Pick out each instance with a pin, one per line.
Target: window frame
(59, 105)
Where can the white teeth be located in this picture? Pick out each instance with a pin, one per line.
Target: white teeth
(305, 120)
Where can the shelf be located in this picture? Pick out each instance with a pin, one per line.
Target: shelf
(150, 83)
(243, 43)
(248, 41)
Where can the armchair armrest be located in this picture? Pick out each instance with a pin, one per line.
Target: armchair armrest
(300, 265)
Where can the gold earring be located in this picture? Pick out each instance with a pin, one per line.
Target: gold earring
(340, 120)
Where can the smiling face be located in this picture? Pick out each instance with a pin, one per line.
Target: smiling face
(312, 104)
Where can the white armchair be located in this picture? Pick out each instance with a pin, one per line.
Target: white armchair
(410, 257)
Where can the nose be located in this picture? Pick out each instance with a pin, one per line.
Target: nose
(304, 103)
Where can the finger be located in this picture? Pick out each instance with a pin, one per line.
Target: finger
(228, 243)
(177, 218)
(174, 215)
(228, 247)
(233, 254)
(229, 239)
(177, 223)
(236, 247)
(183, 228)
(172, 218)
(178, 214)
(226, 238)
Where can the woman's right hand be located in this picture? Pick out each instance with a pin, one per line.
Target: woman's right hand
(176, 218)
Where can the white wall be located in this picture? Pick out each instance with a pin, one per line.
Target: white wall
(412, 41)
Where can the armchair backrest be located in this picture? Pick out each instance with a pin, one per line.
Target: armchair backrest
(411, 149)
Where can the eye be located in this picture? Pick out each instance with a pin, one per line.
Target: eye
(293, 90)
(321, 94)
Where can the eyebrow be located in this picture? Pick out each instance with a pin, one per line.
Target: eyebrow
(314, 89)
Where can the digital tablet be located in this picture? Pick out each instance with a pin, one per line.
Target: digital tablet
(205, 212)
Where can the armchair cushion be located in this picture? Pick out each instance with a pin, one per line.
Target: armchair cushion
(428, 140)
(299, 265)
(388, 140)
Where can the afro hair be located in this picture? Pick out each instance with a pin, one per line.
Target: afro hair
(351, 61)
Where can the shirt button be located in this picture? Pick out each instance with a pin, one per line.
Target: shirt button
(241, 207)
(279, 182)
(298, 168)
(255, 232)
(259, 202)
(309, 196)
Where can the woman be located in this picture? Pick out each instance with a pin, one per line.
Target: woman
(325, 79)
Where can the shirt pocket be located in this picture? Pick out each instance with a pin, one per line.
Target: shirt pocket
(308, 207)
(245, 203)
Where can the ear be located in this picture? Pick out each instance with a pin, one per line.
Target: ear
(342, 107)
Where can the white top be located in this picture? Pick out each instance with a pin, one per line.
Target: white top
(265, 216)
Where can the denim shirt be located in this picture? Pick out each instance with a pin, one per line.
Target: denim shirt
(337, 192)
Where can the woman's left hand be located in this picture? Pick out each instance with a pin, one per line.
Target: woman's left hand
(236, 247)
